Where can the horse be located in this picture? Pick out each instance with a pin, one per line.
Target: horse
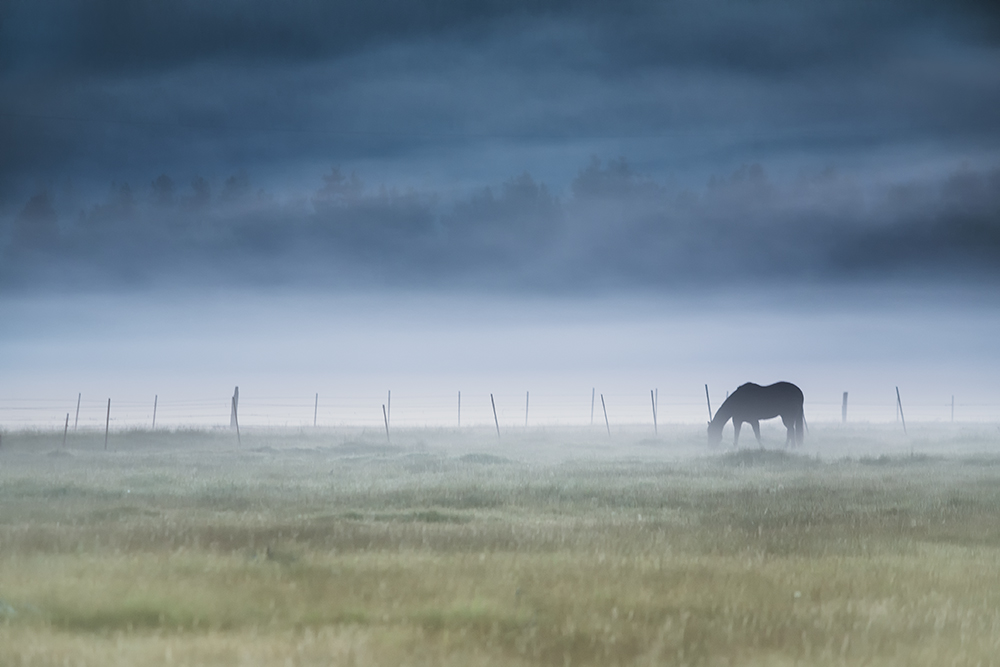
(751, 402)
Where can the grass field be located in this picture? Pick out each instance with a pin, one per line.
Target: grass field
(547, 546)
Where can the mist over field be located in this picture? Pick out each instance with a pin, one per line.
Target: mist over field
(498, 198)
(283, 346)
(558, 223)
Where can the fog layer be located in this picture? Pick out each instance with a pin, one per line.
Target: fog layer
(614, 228)
(282, 348)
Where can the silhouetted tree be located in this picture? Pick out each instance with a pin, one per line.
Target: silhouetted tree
(338, 188)
(202, 192)
(519, 222)
(163, 190)
(120, 206)
(37, 225)
(616, 180)
(236, 186)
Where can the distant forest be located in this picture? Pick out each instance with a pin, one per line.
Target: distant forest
(613, 228)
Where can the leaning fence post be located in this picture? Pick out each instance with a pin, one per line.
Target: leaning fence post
(385, 416)
(235, 404)
(65, 429)
(156, 398)
(495, 420)
(843, 410)
(607, 424)
(236, 423)
(709, 401)
(652, 399)
(76, 420)
(899, 404)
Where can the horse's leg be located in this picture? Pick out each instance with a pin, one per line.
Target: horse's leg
(755, 425)
(790, 426)
(737, 425)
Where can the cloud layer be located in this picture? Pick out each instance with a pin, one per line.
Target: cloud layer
(875, 124)
(616, 228)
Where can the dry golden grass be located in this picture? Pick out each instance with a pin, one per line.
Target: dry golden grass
(302, 549)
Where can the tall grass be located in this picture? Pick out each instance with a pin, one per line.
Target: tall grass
(335, 548)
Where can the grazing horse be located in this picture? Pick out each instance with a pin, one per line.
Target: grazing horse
(751, 402)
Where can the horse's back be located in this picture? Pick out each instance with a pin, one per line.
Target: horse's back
(788, 390)
(776, 389)
(767, 401)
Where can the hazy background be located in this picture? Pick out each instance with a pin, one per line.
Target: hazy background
(438, 196)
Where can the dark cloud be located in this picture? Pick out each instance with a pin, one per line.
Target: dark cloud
(121, 35)
(772, 36)
(213, 120)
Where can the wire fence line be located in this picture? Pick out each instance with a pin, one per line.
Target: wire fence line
(436, 409)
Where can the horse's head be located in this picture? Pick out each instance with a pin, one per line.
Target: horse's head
(714, 434)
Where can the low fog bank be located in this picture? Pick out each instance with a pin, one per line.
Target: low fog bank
(613, 228)
(439, 450)
(282, 347)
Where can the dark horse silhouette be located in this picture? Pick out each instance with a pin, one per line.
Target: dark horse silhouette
(751, 402)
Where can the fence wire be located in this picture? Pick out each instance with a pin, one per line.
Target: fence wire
(436, 409)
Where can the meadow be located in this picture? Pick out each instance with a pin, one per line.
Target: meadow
(558, 546)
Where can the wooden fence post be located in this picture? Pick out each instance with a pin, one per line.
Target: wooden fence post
(107, 424)
(495, 420)
(236, 420)
(607, 424)
(385, 416)
(235, 406)
(843, 410)
(652, 399)
(899, 405)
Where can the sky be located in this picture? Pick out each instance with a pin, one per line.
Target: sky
(668, 163)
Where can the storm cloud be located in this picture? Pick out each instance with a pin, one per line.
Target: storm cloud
(541, 145)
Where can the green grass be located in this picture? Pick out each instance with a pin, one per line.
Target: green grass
(449, 548)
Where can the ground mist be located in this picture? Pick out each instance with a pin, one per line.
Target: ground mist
(543, 546)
